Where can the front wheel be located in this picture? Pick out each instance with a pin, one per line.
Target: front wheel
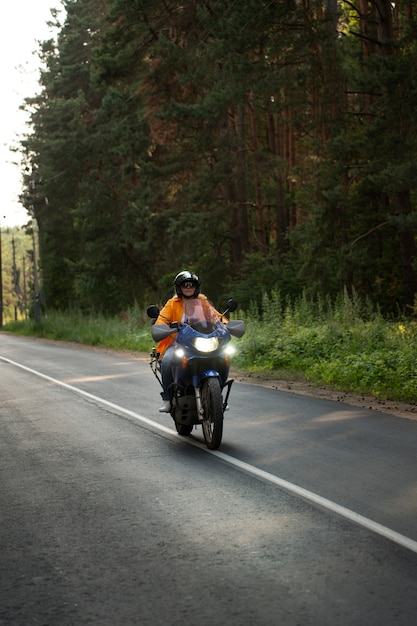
(212, 401)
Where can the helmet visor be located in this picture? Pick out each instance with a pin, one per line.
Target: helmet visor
(189, 284)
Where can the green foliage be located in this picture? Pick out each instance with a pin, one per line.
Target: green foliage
(124, 332)
(343, 344)
(267, 145)
(17, 273)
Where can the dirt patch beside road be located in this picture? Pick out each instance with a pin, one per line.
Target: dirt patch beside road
(401, 409)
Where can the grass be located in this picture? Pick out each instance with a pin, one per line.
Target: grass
(129, 332)
(344, 344)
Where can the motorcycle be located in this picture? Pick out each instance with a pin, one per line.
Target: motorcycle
(200, 390)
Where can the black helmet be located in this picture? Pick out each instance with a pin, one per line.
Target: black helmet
(182, 277)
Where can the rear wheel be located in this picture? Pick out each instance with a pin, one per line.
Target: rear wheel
(184, 429)
(212, 400)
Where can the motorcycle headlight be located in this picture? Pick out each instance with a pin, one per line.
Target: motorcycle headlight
(206, 344)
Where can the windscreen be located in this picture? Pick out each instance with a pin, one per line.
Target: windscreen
(201, 315)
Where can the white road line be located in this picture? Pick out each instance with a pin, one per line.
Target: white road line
(307, 495)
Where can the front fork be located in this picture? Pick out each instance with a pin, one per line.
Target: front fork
(229, 386)
(199, 404)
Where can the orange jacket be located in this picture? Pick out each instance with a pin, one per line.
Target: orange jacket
(173, 311)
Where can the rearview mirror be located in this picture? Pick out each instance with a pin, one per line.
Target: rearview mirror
(152, 311)
(231, 306)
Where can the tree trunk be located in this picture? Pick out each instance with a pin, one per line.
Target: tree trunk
(403, 207)
(242, 200)
(384, 26)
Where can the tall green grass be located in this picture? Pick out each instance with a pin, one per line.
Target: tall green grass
(345, 344)
(128, 332)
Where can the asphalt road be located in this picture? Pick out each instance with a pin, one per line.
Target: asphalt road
(306, 516)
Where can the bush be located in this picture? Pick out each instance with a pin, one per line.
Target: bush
(345, 344)
(124, 332)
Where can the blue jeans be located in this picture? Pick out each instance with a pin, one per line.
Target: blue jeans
(166, 372)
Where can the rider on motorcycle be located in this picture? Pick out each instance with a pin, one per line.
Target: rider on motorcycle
(187, 288)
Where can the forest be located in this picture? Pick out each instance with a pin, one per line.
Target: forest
(17, 255)
(268, 145)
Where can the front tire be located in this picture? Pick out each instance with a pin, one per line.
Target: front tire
(212, 401)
